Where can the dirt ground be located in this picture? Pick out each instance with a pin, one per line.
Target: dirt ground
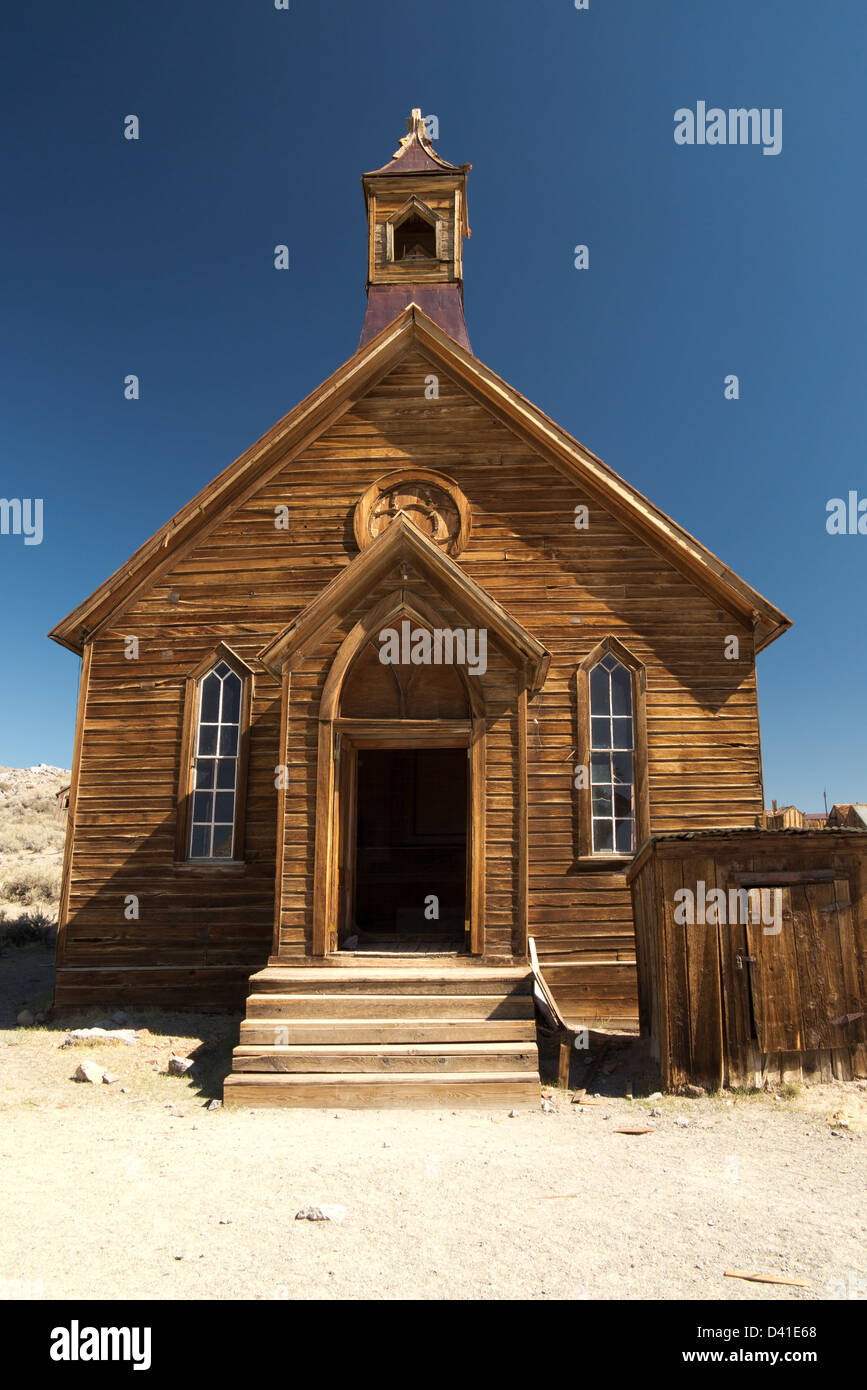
(136, 1190)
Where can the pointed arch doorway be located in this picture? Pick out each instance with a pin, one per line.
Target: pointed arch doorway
(402, 749)
(473, 709)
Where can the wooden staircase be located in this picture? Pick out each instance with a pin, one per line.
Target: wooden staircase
(363, 1034)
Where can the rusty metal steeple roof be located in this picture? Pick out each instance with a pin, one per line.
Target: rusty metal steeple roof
(416, 154)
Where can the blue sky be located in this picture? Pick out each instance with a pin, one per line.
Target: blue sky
(156, 257)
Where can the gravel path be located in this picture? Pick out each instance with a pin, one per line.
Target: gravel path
(149, 1195)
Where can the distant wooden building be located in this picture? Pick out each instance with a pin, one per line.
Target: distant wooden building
(406, 685)
(852, 815)
(61, 804)
(791, 818)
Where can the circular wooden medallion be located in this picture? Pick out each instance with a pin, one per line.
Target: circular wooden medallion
(431, 501)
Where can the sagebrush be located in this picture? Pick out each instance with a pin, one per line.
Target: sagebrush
(31, 852)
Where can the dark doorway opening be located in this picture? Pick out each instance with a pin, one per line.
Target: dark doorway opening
(411, 853)
(415, 239)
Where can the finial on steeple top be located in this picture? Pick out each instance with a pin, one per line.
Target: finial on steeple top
(415, 153)
(416, 131)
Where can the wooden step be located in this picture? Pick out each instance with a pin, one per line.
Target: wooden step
(387, 1057)
(395, 960)
(388, 980)
(500, 1090)
(369, 1005)
(393, 1034)
(347, 1032)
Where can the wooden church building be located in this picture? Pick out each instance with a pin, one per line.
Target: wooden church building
(407, 685)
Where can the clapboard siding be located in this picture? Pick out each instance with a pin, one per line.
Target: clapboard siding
(246, 580)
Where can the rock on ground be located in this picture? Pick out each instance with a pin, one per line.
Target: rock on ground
(95, 1035)
(88, 1071)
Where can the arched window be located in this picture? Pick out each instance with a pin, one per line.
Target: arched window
(612, 743)
(212, 831)
(613, 810)
(210, 824)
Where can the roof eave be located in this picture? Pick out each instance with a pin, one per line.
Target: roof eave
(637, 512)
(317, 411)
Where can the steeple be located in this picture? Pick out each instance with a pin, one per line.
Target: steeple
(417, 220)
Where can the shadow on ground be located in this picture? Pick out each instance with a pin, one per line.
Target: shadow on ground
(27, 982)
(613, 1064)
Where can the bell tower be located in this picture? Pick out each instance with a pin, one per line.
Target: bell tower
(416, 222)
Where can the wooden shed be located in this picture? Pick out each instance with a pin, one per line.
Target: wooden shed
(751, 949)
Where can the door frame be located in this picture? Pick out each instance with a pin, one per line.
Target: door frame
(336, 808)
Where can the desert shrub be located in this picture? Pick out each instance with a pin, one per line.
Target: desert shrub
(31, 929)
(31, 882)
(31, 845)
(32, 837)
(28, 828)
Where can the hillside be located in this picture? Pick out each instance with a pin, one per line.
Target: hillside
(31, 841)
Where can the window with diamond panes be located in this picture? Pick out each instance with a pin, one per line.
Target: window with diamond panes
(612, 777)
(216, 765)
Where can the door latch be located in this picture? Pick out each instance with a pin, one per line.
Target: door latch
(741, 960)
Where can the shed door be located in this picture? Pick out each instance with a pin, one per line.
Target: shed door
(803, 980)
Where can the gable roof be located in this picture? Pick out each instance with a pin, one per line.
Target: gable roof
(852, 813)
(403, 541)
(413, 329)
